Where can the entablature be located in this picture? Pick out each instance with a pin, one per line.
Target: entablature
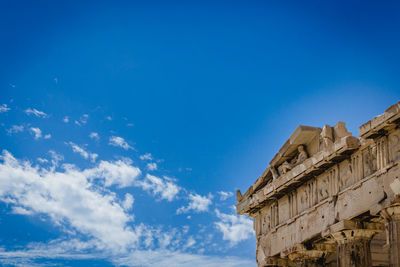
(301, 168)
(381, 124)
(325, 187)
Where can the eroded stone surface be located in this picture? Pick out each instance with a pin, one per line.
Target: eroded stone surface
(327, 195)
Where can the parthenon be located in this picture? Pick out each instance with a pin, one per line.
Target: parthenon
(328, 198)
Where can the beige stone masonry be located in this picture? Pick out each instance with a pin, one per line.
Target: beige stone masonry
(328, 198)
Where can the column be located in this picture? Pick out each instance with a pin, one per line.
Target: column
(392, 223)
(353, 247)
(308, 258)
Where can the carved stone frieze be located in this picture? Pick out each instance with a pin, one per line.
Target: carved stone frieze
(394, 144)
(319, 180)
(369, 160)
(345, 174)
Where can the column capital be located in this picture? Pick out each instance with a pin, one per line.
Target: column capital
(391, 213)
(354, 247)
(346, 236)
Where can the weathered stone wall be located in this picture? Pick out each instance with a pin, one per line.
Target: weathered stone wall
(328, 194)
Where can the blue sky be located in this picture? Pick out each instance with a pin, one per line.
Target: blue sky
(127, 126)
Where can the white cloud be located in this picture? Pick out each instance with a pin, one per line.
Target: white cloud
(66, 119)
(234, 228)
(36, 112)
(83, 152)
(94, 136)
(21, 211)
(109, 118)
(55, 249)
(151, 166)
(55, 158)
(82, 120)
(67, 197)
(166, 189)
(42, 160)
(36, 132)
(146, 156)
(197, 204)
(4, 108)
(75, 249)
(128, 202)
(120, 173)
(165, 239)
(82, 201)
(167, 258)
(190, 242)
(130, 125)
(225, 195)
(15, 129)
(119, 141)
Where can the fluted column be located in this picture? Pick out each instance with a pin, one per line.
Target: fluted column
(353, 248)
(392, 223)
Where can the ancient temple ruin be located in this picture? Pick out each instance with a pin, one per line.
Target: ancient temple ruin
(330, 199)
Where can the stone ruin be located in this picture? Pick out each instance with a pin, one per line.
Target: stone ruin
(328, 198)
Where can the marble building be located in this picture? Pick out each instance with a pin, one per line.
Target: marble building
(328, 198)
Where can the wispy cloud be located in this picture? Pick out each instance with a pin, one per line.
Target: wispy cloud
(119, 142)
(189, 243)
(147, 258)
(36, 112)
(85, 154)
(55, 158)
(82, 120)
(146, 156)
(224, 195)
(42, 160)
(36, 132)
(4, 108)
(234, 228)
(151, 166)
(76, 249)
(94, 136)
(197, 203)
(66, 119)
(161, 187)
(15, 129)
